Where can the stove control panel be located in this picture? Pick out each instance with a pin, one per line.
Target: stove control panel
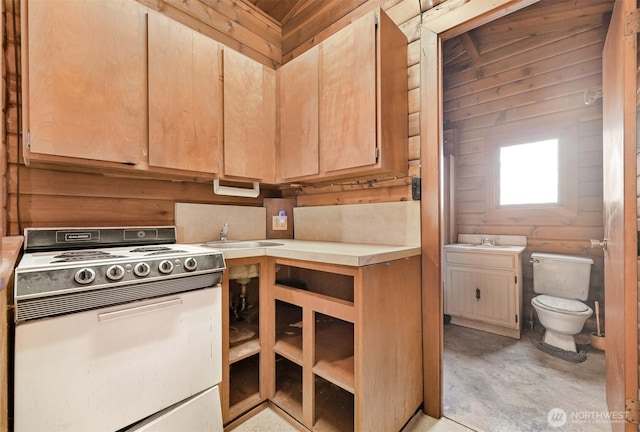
(37, 282)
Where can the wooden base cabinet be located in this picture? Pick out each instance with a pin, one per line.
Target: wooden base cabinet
(345, 343)
(244, 361)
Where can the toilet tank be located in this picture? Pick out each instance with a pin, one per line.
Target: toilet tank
(563, 276)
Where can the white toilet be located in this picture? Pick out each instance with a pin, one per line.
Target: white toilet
(562, 281)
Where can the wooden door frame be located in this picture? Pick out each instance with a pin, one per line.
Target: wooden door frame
(619, 81)
(450, 19)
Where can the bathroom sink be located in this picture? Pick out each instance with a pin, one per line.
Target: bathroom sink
(485, 246)
(244, 244)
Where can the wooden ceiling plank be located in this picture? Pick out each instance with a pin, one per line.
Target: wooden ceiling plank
(553, 8)
(271, 60)
(493, 41)
(312, 20)
(287, 55)
(248, 15)
(525, 50)
(538, 26)
(469, 45)
(223, 24)
(299, 5)
(455, 17)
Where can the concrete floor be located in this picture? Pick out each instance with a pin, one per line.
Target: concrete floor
(494, 383)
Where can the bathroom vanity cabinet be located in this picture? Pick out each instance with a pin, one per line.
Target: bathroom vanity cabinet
(345, 343)
(483, 287)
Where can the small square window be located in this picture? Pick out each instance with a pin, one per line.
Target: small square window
(529, 173)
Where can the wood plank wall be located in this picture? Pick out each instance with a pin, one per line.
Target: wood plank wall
(62, 197)
(555, 77)
(58, 196)
(517, 84)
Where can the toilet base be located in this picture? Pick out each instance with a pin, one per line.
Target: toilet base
(562, 341)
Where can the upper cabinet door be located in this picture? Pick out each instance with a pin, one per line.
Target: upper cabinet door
(249, 118)
(85, 87)
(298, 108)
(348, 97)
(184, 98)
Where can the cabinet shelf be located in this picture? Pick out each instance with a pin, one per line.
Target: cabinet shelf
(244, 386)
(288, 394)
(244, 350)
(290, 347)
(334, 407)
(334, 352)
(289, 331)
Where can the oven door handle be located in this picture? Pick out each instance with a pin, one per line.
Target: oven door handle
(123, 313)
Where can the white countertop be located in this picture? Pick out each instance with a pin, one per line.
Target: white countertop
(349, 254)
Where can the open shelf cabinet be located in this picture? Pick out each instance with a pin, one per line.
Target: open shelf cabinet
(346, 343)
(244, 361)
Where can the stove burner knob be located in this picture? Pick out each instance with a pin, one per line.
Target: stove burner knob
(115, 273)
(190, 264)
(142, 269)
(85, 276)
(165, 266)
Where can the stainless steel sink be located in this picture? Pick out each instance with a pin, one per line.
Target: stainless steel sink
(244, 244)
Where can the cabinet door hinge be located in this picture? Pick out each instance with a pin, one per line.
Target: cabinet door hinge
(377, 153)
(516, 318)
(632, 407)
(27, 139)
(515, 279)
(632, 22)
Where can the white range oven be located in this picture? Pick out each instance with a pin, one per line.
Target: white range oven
(116, 329)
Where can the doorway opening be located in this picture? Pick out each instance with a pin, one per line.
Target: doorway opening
(508, 81)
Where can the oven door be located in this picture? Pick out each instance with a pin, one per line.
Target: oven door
(105, 369)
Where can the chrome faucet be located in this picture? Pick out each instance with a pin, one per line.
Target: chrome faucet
(223, 231)
(487, 241)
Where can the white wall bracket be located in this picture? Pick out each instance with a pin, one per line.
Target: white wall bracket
(254, 192)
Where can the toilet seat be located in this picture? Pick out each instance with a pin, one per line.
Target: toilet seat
(563, 305)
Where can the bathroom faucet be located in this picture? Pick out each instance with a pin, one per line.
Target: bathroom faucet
(487, 241)
(223, 231)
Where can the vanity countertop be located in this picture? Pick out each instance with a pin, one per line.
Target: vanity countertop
(349, 254)
(484, 248)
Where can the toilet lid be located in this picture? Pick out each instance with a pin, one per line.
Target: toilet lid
(562, 303)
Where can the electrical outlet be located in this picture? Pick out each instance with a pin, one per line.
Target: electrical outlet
(279, 223)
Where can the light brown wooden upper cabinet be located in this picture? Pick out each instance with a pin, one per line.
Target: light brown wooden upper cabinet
(362, 108)
(249, 119)
(85, 80)
(298, 84)
(185, 102)
(363, 99)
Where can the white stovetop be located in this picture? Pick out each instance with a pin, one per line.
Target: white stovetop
(48, 259)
